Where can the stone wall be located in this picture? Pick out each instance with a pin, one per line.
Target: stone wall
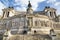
(28, 37)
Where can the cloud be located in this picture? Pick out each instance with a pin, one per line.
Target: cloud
(24, 3)
(51, 1)
(55, 4)
(2, 7)
(21, 5)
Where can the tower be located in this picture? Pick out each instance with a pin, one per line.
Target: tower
(50, 12)
(6, 12)
(29, 9)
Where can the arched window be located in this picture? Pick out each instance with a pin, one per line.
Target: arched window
(55, 14)
(45, 24)
(34, 31)
(24, 32)
(3, 13)
(8, 14)
(42, 23)
(51, 14)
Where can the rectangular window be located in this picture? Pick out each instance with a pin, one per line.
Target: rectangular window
(15, 23)
(36, 23)
(30, 21)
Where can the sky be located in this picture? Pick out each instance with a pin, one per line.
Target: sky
(37, 5)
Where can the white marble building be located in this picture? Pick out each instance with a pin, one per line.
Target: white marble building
(30, 23)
